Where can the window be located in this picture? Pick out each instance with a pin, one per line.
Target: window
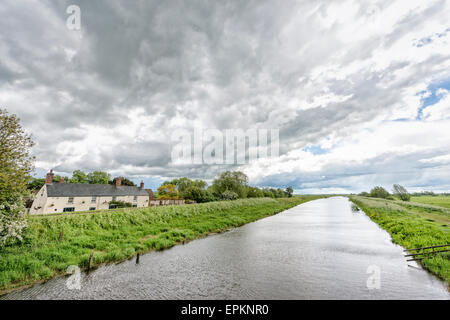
(70, 209)
(92, 208)
(93, 199)
(113, 206)
(114, 198)
(135, 198)
(70, 200)
(134, 205)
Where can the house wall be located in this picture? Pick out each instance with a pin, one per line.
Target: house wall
(57, 204)
(39, 201)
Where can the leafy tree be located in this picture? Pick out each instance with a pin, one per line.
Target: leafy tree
(125, 182)
(16, 163)
(364, 194)
(379, 192)
(168, 191)
(79, 176)
(268, 193)
(184, 183)
(289, 192)
(235, 181)
(229, 195)
(36, 184)
(401, 192)
(98, 177)
(253, 192)
(198, 194)
(57, 178)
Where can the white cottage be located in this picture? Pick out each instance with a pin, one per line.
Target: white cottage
(69, 197)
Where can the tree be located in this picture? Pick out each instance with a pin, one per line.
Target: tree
(183, 183)
(36, 184)
(253, 192)
(198, 194)
(289, 192)
(168, 191)
(364, 194)
(125, 182)
(379, 192)
(98, 177)
(16, 164)
(79, 176)
(401, 192)
(235, 181)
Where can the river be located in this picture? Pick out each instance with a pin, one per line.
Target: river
(319, 250)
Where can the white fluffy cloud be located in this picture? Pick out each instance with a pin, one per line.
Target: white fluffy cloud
(359, 90)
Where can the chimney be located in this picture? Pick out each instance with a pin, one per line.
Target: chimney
(62, 180)
(142, 185)
(118, 181)
(49, 177)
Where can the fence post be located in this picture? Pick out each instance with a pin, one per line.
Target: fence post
(90, 261)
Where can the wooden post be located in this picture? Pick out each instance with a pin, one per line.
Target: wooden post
(137, 258)
(90, 261)
(60, 236)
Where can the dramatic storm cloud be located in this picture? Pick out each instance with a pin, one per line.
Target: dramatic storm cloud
(358, 89)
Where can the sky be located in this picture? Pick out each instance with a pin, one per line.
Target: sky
(359, 90)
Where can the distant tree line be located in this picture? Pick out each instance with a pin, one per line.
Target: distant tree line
(398, 192)
(229, 185)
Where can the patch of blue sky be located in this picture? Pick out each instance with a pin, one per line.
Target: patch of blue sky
(316, 150)
(433, 97)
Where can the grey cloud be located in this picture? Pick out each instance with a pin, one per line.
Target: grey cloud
(223, 64)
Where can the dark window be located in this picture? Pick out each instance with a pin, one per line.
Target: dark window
(92, 208)
(71, 209)
(134, 205)
(113, 206)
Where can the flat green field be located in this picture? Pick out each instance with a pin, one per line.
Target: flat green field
(117, 235)
(413, 225)
(442, 201)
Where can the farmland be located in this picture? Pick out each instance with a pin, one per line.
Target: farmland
(442, 201)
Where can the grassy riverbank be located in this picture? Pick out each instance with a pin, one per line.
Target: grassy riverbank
(413, 225)
(120, 234)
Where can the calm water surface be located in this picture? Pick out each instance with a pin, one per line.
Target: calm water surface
(318, 250)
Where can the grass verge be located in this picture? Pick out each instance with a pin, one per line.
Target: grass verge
(120, 234)
(413, 226)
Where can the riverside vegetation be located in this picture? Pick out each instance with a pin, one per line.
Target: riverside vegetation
(117, 235)
(413, 225)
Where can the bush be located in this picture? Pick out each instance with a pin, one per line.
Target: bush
(12, 220)
(364, 194)
(229, 195)
(198, 194)
(379, 192)
(120, 204)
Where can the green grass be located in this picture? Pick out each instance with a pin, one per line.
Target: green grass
(413, 225)
(442, 201)
(120, 234)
